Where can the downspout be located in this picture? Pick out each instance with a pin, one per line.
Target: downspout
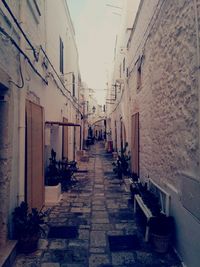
(21, 129)
(198, 69)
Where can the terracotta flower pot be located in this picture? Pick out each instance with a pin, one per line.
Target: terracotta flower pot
(28, 244)
(161, 243)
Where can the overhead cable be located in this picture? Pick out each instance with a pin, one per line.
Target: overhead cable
(22, 52)
(20, 28)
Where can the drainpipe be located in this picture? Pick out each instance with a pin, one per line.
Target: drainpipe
(21, 129)
(198, 68)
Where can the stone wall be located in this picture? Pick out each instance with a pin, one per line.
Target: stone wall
(168, 105)
(5, 163)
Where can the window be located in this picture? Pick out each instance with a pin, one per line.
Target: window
(139, 72)
(127, 72)
(124, 64)
(61, 56)
(73, 85)
(139, 77)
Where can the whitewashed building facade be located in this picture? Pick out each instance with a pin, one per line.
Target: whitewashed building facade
(39, 90)
(159, 107)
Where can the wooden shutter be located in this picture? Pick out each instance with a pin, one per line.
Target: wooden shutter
(34, 186)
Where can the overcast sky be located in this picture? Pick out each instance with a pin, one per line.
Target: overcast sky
(96, 27)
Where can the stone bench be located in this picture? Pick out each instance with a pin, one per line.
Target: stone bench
(164, 199)
(146, 211)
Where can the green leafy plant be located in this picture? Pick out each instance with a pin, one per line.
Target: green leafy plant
(27, 226)
(121, 166)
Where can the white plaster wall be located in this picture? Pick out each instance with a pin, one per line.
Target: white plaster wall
(121, 108)
(47, 33)
(9, 63)
(63, 28)
(55, 105)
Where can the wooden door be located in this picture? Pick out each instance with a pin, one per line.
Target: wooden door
(65, 140)
(135, 143)
(34, 185)
(115, 135)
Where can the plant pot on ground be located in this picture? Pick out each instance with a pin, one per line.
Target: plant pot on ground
(121, 166)
(27, 227)
(161, 230)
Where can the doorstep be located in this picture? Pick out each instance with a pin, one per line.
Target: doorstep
(8, 254)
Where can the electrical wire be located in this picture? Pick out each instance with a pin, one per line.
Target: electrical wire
(36, 55)
(19, 26)
(54, 69)
(22, 52)
(21, 75)
(72, 101)
(63, 93)
(28, 78)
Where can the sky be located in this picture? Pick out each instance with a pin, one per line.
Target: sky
(96, 27)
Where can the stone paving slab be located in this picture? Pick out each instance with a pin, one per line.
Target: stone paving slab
(99, 206)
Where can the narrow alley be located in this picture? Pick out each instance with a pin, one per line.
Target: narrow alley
(111, 87)
(94, 225)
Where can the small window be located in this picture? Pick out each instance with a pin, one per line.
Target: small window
(139, 78)
(61, 56)
(124, 64)
(127, 72)
(73, 85)
(139, 72)
(120, 70)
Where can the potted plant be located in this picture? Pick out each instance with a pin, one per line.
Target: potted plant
(117, 169)
(52, 174)
(27, 227)
(161, 229)
(121, 166)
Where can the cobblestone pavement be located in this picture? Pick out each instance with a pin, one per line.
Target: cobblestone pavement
(96, 209)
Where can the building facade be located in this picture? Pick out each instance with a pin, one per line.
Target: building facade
(161, 91)
(39, 94)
